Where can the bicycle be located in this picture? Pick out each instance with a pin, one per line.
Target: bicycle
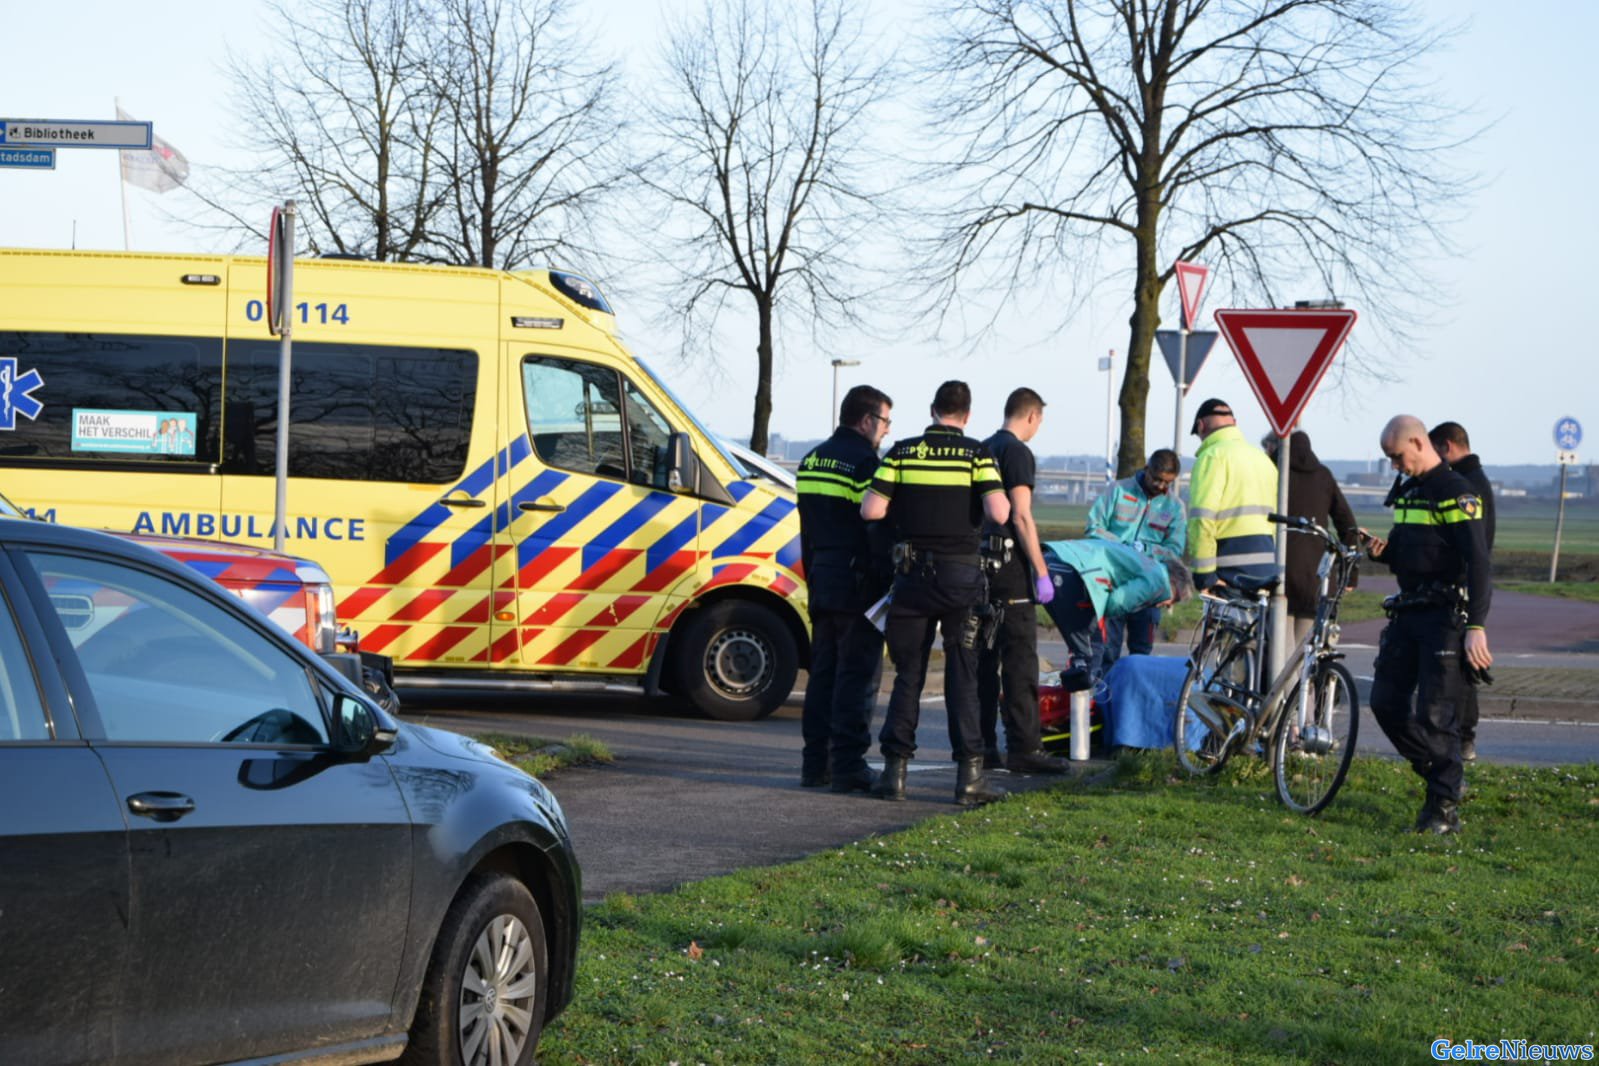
(1311, 714)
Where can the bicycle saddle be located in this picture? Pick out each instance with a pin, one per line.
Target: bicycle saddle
(1251, 584)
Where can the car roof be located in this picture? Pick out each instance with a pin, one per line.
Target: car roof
(26, 532)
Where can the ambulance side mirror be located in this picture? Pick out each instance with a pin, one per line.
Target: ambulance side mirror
(683, 470)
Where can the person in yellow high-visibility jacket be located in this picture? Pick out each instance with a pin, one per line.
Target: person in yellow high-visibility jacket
(1232, 488)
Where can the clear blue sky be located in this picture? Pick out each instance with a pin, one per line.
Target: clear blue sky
(1507, 358)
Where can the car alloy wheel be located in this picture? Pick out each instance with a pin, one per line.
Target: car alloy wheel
(498, 988)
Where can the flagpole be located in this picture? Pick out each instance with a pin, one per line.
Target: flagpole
(122, 186)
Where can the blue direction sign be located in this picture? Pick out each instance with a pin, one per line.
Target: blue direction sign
(1568, 434)
(1200, 342)
(66, 133)
(28, 158)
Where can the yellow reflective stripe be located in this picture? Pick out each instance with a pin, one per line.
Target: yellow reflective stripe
(805, 476)
(937, 464)
(842, 492)
(1426, 516)
(957, 478)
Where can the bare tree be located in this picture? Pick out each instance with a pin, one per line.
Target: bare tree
(530, 143)
(455, 131)
(344, 124)
(765, 145)
(1280, 140)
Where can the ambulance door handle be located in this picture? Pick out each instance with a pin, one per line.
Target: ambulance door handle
(541, 505)
(462, 501)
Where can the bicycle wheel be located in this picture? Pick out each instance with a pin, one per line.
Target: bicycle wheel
(1309, 768)
(1201, 730)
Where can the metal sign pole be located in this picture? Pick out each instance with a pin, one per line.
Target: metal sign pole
(285, 280)
(1278, 648)
(1560, 521)
(1108, 365)
(1182, 390)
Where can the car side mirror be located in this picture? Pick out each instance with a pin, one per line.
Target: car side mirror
(683, 471)
(360, 730)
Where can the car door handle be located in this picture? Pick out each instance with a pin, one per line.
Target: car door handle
(541, 505)
(161, 806)
(462, 501)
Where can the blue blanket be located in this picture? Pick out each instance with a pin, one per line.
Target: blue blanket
(1140, 700)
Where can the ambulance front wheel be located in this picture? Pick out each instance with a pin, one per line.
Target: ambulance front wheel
(736, 661)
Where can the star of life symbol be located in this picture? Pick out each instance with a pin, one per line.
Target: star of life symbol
(16, 393)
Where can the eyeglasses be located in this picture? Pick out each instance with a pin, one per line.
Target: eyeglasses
(882, 418)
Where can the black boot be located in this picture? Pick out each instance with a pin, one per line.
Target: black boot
(971, 790)
(891, 784)
(1439, 816)
(1035, 762)
(861, 780)
(992, 759)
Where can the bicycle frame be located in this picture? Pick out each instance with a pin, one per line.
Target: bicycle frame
(1261, 710)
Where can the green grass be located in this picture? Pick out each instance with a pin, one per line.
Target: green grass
(1151, 918)
(1587, 591)
(543, 757)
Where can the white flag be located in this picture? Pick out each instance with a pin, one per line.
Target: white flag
(160, 168)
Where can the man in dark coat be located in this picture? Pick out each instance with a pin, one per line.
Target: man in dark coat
(1313, 493)
(1453, 445)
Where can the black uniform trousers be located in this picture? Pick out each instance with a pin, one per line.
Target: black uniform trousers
(1007, 673)
(939, 595)
(841, 692)
(1468, 714)
(1421, 654)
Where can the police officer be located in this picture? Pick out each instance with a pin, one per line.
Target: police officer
(936, 489)
(1453, 445)
(1007, 669)
(1438, 550)
(846, 571)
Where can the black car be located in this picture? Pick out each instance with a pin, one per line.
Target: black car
(214, 848)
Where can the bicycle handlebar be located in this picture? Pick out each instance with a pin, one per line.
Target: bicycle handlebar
(1301, 524)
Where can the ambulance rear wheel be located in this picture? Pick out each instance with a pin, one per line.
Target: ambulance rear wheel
(736, 661)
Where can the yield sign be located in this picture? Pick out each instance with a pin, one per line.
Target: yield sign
(1190, 286)
(1284, 355)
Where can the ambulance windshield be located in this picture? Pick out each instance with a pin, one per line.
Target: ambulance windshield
(715, 441)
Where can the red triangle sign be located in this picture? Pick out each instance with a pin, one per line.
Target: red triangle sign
(1191, 287)
(1284, 355)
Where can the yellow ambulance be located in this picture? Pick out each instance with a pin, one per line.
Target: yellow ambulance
(504, 496)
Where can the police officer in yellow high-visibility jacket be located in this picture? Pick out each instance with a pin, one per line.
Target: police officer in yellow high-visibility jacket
(1232, 488)
(936, 489)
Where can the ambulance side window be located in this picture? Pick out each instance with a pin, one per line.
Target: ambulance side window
(649, 439)
(359, 412)
(110, 396)
(574, 414)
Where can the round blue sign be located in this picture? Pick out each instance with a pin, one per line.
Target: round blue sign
(1568, 434)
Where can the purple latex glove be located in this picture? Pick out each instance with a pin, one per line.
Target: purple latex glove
(1044, 587)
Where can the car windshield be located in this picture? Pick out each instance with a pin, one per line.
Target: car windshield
(9, 509)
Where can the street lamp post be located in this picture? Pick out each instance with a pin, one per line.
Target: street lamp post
(1108, 366)
(836, 364)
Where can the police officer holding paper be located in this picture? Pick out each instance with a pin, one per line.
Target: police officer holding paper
(936, 488)
(846, 570)
(1438, 551)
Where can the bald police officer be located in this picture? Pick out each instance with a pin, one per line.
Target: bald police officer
(936, 489)
(1438, 551)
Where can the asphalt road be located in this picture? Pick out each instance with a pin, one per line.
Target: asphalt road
(689, 798)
